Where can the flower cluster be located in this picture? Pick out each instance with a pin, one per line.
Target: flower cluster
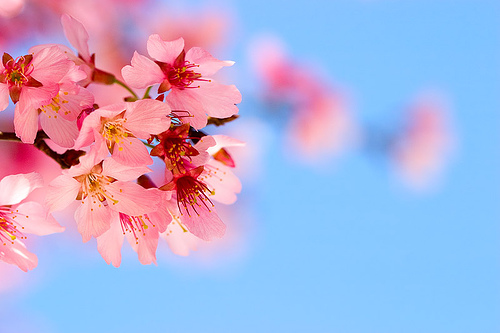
(106, 152)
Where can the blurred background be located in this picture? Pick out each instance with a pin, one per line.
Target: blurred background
(370, 175)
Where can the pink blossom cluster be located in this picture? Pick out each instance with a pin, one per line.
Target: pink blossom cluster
(106, 151)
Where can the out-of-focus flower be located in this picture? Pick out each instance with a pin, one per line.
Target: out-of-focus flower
(187, 76)
(11, 8)
(424, 144)
(320, 123)
(204, 28)
(19, 218)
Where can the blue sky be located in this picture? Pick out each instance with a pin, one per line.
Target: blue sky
(343, 247)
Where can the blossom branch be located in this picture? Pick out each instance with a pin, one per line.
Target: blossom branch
(65, 160)
(221, 121)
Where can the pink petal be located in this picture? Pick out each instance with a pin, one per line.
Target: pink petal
(212, 99)
(50, 65)
(63, 132)
(26, 124)
(145, 245)
(182, 100)
(109, 244)
(74, 99)
(208, 65)
(34, 219)
(143, 73)
(124, 173)
(77, 35)
(218, 99)
(146, 117)
(92, 218)
(88, 131)
(131, 199)
(204, 223)
(180, 241)
(17, 254)
(164, 51)
(131, 152)
(222, 180)
(15, 188)
(223, 141)
(202, 146)
(36, 97)
(61, 192)
(4, 96)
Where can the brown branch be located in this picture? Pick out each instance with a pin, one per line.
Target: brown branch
(221, 121)
(66, 160)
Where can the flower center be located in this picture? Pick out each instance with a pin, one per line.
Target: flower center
(17, 71)
(9, 229)
(52, 109)
(192, 193)
(113, 132)
(183, 76)
(95, 186)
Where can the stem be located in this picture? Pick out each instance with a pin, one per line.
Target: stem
(66, 160)
(146, 93)
(126, 87)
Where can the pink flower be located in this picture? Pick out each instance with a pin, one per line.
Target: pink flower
(142, 233)
(11, 8)
(23, 77)
(196, 210)
(195, 179)
(58, 116)
(119, 127)
(186, 74)
(78, 37)
(424, 145)
(103, 186)
(17, 219)
(320, 122)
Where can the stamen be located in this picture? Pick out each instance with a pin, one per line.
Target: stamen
(10, 230)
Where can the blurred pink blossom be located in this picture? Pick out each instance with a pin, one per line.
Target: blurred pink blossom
(320, 123)
(424, 145)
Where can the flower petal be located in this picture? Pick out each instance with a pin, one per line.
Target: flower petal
(34, 219)
(77, 35)
(63, 132)
(92, 218)
(143, 73)
(164, 51)
(208, 65)
(204, 223)
(15, 188)
(146, 117)
(109, 244)
(132, 199)
(18, 254)
(62, 191)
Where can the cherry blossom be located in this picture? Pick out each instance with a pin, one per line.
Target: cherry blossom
(187, 76)
(117, 128)
(30, 79)
(103, 186)
(18, 218)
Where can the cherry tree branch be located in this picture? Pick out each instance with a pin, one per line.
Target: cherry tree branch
(65, 160)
